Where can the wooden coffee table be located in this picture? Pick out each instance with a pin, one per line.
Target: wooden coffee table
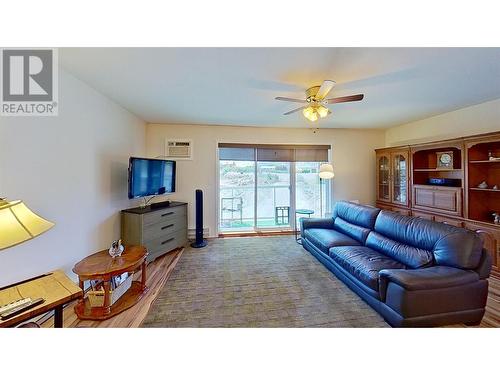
(102, 267)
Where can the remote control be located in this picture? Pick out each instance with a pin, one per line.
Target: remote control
(13, 305)
(21, 308)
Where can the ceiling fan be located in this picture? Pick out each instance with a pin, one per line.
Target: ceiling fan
(315, 102)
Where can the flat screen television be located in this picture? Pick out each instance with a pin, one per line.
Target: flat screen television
(148, 177)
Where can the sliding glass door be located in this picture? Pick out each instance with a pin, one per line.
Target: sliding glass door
(311, 193)
(237, 195)
(273, 194)
(260, 188)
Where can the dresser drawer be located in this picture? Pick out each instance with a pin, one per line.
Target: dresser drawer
(166, 243)
(163, 228)
(163, 215)
(160, 230)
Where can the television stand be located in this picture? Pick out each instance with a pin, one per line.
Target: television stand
(159, 229)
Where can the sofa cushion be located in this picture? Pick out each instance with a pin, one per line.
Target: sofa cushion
(324, 239)
(451, 246)
(410, 256)
(430, 278)
(352, 230)
(363, 216)
(363, 263)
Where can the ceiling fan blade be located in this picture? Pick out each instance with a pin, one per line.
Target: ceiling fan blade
(291, 99)
(343, 99)
(295, 110)
(325, 88)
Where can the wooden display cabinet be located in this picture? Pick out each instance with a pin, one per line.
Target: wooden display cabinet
(393, 176)
(483, 202)
(465, 204)
(440, 199)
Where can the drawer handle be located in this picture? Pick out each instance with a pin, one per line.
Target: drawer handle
(167, 226)
(166, 214)
(166, 241)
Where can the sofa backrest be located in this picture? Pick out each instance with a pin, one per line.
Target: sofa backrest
(354, 220)
(448, 245)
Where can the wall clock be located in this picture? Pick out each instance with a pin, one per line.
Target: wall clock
(444, 160)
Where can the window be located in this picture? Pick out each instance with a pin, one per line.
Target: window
(261, 186)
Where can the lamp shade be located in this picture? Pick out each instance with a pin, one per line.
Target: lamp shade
(19, 224)
(326, 171)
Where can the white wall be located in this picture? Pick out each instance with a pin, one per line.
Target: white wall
(352, 155)
(72, 170)
(481, 118)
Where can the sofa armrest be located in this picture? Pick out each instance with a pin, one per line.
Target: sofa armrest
(485, 263)
(305, 223)
(425, 278)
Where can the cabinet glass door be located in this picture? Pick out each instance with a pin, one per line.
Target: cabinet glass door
(399, 178)
(383, 178)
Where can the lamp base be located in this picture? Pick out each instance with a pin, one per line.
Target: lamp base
(197, 245)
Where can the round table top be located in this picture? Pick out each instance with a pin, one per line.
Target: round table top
(304, 211)
(102, 264)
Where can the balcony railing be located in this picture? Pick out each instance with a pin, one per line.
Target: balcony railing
(237, 206)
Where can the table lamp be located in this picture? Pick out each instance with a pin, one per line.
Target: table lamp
(19, 224)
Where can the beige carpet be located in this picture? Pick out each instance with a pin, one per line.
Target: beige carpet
(256, 282)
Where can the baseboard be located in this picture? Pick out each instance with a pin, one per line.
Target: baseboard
(192, 233)
(257, 234)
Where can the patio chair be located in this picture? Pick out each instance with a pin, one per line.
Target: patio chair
(232, 205)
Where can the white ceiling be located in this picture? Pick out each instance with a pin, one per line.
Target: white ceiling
(237, 86)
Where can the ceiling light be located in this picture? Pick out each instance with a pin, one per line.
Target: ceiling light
(322, 111)
(314, 116)
(310, 113)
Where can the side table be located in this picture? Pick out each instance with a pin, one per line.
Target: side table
(301, 212)
(55, 287)
(102, 267)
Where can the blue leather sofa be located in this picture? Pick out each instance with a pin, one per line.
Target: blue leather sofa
(412, 271)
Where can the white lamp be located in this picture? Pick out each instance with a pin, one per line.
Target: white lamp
(326, 171)
(19, 224)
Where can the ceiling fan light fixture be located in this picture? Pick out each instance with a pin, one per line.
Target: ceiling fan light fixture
(316, 101)
(310, 113)
(322, 111)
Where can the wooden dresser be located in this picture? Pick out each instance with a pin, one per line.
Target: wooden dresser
(403, 184)
(160, 230)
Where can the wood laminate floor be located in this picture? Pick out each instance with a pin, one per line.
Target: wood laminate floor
(160, 270)
(492, 317)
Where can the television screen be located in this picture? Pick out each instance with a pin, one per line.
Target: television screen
(150, 177)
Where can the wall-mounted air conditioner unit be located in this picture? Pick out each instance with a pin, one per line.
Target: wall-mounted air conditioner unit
(179, 149)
